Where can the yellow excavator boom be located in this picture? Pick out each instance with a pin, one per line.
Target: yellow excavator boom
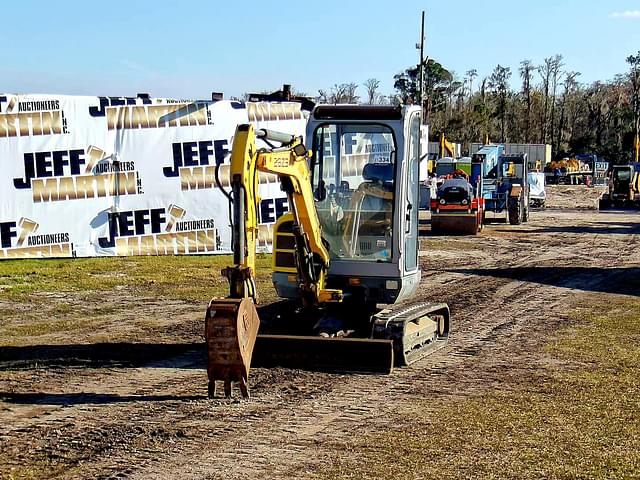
(232, 323)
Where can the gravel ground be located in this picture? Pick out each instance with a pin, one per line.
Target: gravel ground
(138, 409)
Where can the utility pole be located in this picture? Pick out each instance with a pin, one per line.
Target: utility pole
(421, 66)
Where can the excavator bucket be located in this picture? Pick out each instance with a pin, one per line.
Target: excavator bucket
(465, 224)
(231, 327)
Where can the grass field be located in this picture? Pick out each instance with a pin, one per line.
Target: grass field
(103, 299)
(575, 414)
(184, 277)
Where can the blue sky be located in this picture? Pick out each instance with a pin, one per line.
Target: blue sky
(190, 48)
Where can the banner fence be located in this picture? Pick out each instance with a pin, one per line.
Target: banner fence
(104, 176)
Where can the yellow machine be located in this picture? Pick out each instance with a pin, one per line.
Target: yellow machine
(349, 242)
(447, 149)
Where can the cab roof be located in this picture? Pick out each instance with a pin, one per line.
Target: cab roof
(358, 112)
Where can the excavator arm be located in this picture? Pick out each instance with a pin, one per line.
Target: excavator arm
(447, 149)
(289, 163)
(232, 323)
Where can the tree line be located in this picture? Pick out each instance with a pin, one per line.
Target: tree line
(550, 105)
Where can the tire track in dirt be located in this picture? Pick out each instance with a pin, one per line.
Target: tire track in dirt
(295, 417)
(357, 403)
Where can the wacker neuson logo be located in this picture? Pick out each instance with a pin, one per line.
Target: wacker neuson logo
(159, 231)
(20, 239)
(25, 117)
(75, 174)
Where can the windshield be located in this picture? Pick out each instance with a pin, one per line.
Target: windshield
(443, 169)
(622, 174)
(512, 170)
(353, 177)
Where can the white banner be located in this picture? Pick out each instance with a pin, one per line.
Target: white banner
(87, 176)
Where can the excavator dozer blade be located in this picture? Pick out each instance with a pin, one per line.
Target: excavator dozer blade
(465, 224)
(231, 327)
(335, 354)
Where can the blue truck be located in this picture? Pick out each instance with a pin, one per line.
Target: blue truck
(505, 186)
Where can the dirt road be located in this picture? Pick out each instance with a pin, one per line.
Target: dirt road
(138, 410)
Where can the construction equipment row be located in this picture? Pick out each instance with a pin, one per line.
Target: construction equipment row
(494, 188)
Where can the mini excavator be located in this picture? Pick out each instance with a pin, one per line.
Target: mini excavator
(345, 257)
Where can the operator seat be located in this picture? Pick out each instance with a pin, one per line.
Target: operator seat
(370, 217)
(378, 183)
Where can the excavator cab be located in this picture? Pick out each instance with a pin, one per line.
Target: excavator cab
(370, 222)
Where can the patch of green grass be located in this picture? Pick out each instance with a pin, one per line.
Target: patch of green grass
(450, 244)
(41, 469)
(191, 278)
(62, 308)
(38, 327)
(577, 418)
(67, 296)
(104, 310)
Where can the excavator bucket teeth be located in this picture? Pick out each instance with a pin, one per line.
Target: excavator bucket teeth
(455, 224)
(231, 328)
(335, 354)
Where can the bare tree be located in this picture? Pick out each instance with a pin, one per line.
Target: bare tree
(344, 93)
(570, 86)
(545, 74)
(634, 62)
(393, 99)
(470, 75)
(338, 93)
(385, 99)
(298, 93)
(372, 85)
(484, 111)
(556, 75)
(526, 73)
(322, 96)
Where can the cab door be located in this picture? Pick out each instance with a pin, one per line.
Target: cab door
(412, 195)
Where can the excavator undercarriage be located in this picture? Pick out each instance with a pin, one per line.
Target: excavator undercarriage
(397, 336)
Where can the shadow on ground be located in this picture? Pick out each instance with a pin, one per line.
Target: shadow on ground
(116, 355)
(111, 355)
(88, 398)
(596, 228)
(618, 280)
